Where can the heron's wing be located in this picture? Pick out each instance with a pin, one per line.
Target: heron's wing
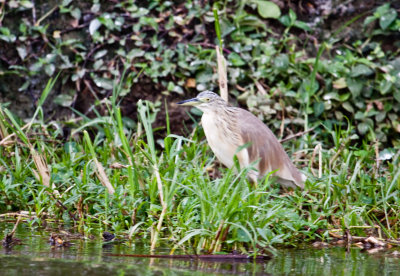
(265, 146)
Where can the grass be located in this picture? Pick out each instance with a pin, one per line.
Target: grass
(112, 177)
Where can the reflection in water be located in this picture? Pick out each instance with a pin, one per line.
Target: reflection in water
(35, 256)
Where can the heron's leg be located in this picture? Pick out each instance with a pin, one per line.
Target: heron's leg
(253, 177)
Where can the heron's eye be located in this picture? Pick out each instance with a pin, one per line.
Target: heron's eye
(207, 99)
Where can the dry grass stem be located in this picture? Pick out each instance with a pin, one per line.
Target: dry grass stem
(101, 174)
(222, 74)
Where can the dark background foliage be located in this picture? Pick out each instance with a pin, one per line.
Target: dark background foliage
(335, 62)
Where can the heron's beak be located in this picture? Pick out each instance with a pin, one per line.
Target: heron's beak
(190, 102)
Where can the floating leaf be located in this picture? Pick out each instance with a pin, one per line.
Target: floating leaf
(268, 9)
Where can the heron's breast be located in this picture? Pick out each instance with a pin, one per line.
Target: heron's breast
(219, 139)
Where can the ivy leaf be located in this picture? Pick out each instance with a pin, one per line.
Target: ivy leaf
(385, 86)
(387, 18)
(281, 62)
(268, 9)
(236, 59)
(319, 108)
(363, 128)
(396, 95)
(302, 25)
(361, 70)
(355, 87)
(340, 83)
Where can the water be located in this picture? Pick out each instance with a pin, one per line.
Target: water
(91, 257)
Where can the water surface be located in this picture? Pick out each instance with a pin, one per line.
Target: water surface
(35, 256)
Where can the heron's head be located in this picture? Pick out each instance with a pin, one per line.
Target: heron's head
(205, 101)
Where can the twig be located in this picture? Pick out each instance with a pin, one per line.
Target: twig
(3, 142)
(296, 135)
(222, 257)
(37, 23)
(209, 45)
(15, 226)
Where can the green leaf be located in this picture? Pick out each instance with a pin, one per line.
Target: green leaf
(380, 116)
(385, 86)
(26, 4)
(381, 10)
(94, 25)
(285, 20)
(331, 96)
(319, 108)
(49, 69)
(22, 52)
(76, 13)
(268, 9)
(387, 18)
(302, 25)
(242, 236)
(369, 19)
(281, 62)
(216, 24)
(66, 2)
(361, 70)
(103, 83)
(63, 100)
(348, 107)
(236, 59)
(396, 95)
(363, 128)
(340, 83)
(355, 87)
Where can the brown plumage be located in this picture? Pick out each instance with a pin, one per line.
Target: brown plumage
(227, 128)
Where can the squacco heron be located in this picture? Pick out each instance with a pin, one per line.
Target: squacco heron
(227, 128)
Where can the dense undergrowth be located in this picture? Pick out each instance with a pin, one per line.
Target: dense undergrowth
(283, 69)
(109, 172)
(117, 179)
